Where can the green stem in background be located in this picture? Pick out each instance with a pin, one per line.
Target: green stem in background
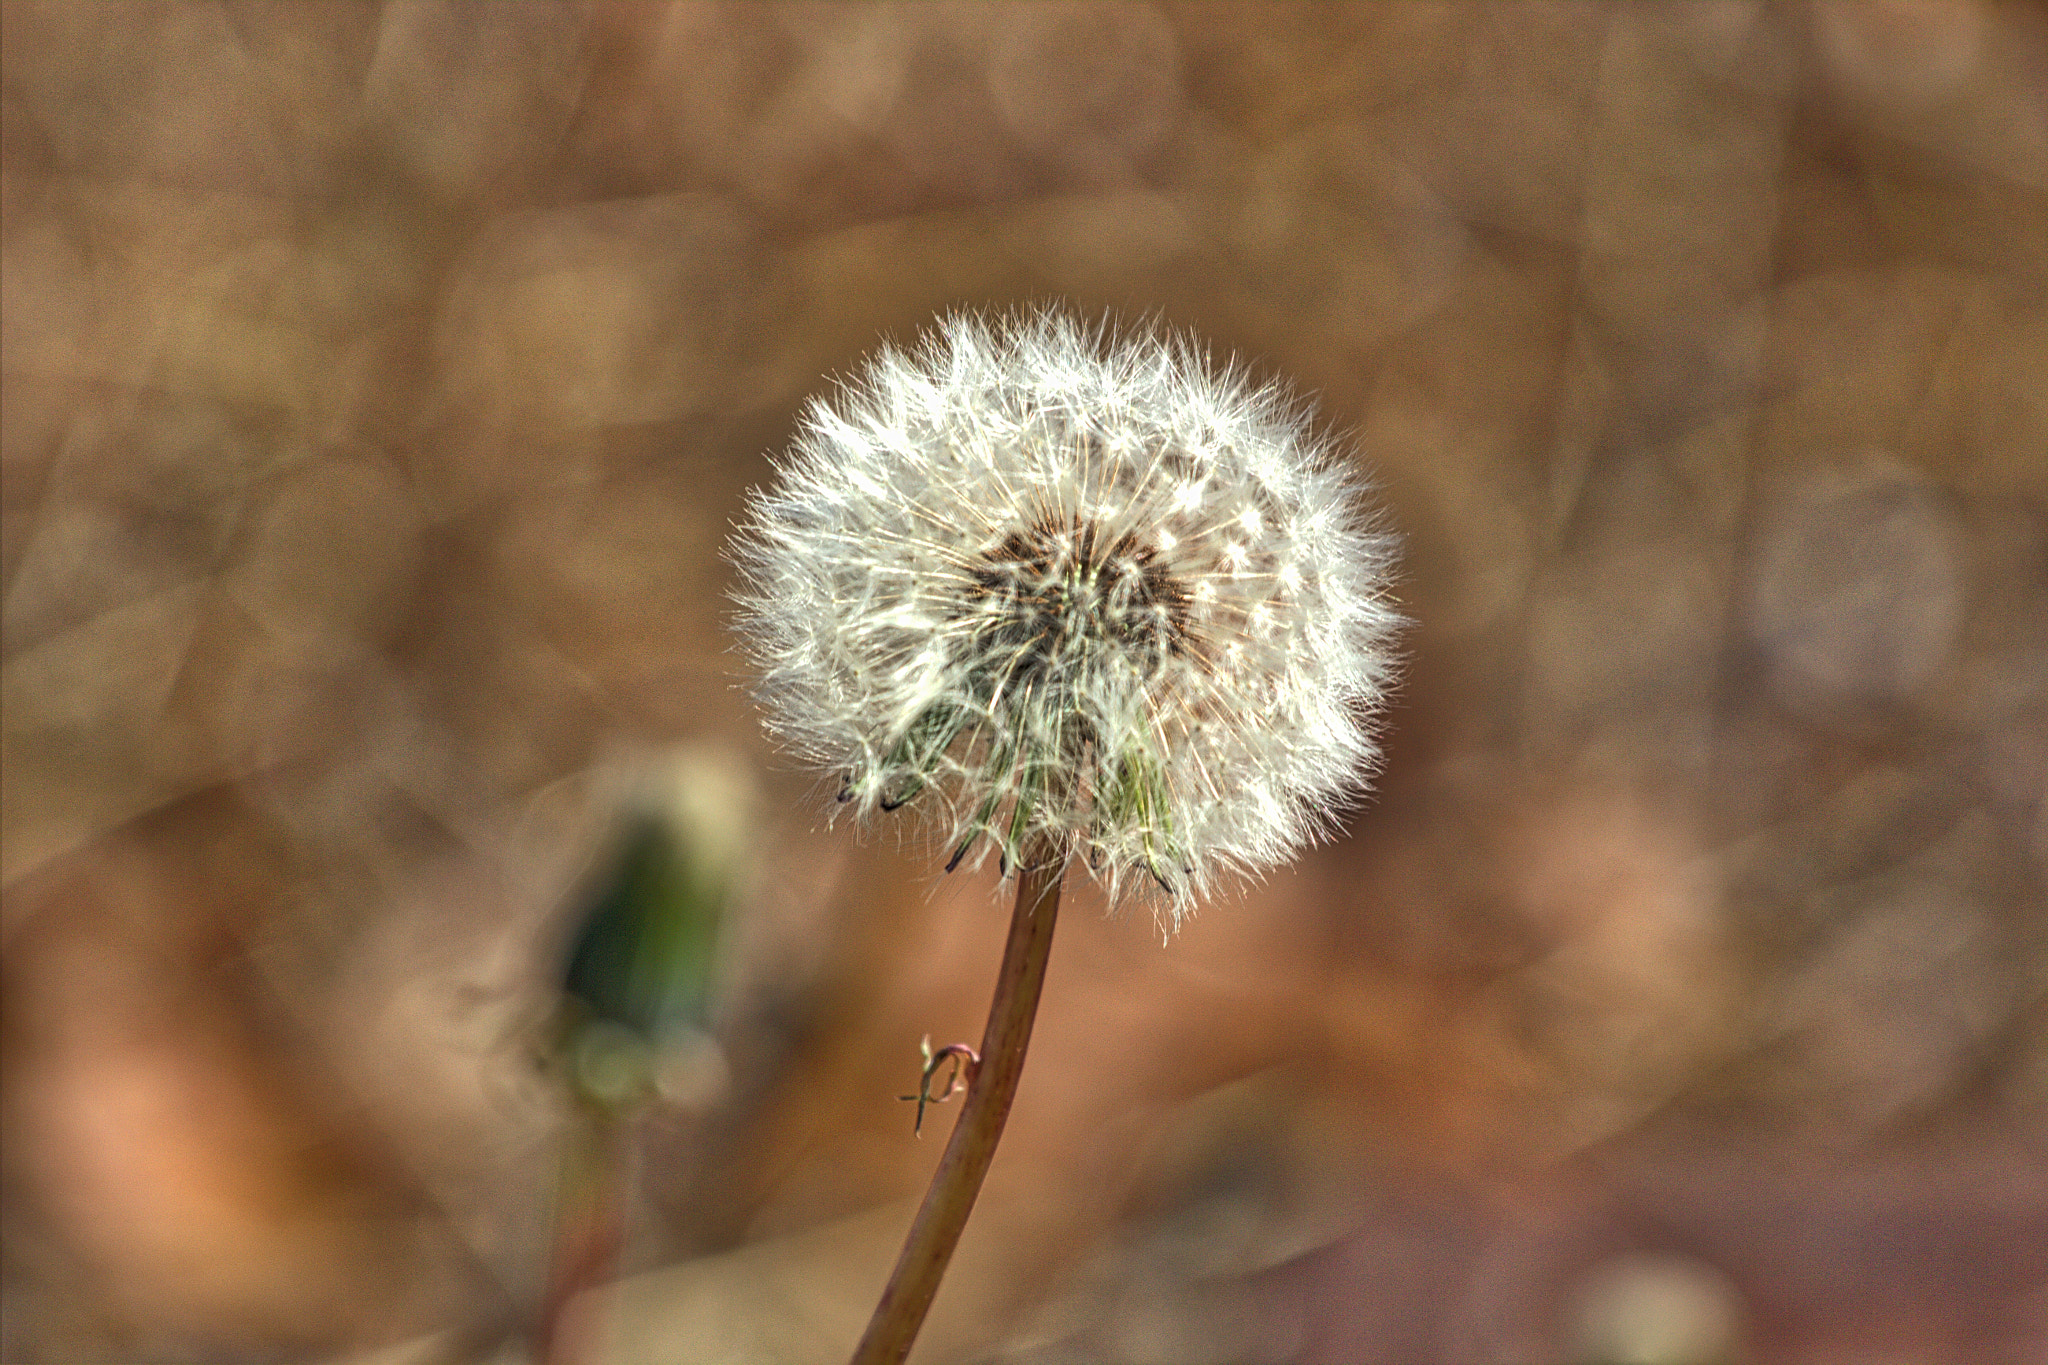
(590, 1228)
(915, 1281)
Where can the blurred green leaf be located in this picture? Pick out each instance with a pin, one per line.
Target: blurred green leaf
(645, 953)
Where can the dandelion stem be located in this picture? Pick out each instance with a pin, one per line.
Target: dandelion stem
(915, 1280)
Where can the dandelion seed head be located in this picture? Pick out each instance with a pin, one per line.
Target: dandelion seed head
(1038, 579)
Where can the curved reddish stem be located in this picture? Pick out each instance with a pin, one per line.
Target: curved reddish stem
(991, 1088)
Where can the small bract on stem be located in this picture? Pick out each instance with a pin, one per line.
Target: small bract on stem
(963, 1058)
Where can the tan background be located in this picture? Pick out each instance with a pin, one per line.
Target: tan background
(380, 382)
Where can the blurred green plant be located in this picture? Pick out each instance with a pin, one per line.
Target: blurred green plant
(639, 972)
(639, 982)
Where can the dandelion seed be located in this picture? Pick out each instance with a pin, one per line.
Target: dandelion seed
(1047, 583)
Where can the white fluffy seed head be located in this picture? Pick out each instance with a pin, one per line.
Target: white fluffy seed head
(1039, 579)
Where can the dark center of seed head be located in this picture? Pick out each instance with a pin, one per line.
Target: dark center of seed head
(1054, 587)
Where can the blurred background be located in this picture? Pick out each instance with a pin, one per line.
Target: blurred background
(381, 381)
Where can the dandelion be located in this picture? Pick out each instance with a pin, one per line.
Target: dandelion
(1073, 596)
(1046, 584)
